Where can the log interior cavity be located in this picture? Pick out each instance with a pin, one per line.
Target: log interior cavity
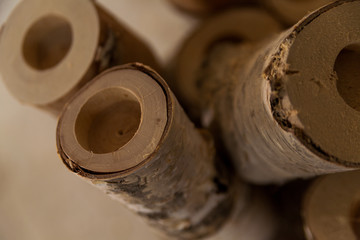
(347, 68)
(105, 126)
(47, 42)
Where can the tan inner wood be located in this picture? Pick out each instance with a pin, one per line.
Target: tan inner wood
(105, 126)
(325, 109)
(47, 42)
(347, 67)
(116, 122)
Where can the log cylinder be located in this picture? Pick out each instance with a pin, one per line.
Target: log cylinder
(286, 107)
(127, 134)
(50, 48)
(233, 27)
(332, 208)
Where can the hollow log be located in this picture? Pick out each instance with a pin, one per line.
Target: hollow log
(127, 134)
(231, 26)
(331, 208)
(49, 50)
(285, 107)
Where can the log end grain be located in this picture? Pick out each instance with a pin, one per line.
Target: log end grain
(46, 50)
(317, 83)
(50, 49)
(108, 128)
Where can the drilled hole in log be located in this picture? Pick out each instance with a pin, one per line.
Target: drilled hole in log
(355, 221)
(47, 42)
(347, 67)
(108, 120)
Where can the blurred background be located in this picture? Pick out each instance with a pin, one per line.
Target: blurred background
(41, 199)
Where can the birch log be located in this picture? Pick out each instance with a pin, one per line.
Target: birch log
(286, 107)
(51, 48)
(332, 208)
(232, 26)
(126, 133)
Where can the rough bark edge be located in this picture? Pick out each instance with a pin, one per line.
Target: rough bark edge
(274, 73)
(72, 166)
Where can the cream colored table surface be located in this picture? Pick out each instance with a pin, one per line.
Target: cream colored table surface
(39, 198)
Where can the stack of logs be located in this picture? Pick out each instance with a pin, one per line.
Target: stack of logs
(226, 146)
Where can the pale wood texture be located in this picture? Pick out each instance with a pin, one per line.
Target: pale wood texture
(89, 50)
(181, 188)
(71, 208)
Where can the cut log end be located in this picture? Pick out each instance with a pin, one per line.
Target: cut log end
(319, 93)
(115, 123)
(48, 54)
(42, 48)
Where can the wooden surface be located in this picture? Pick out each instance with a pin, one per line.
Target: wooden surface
(295, 142)
(168, 172)
(39, 198)
(275, 103)
(46, 40)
